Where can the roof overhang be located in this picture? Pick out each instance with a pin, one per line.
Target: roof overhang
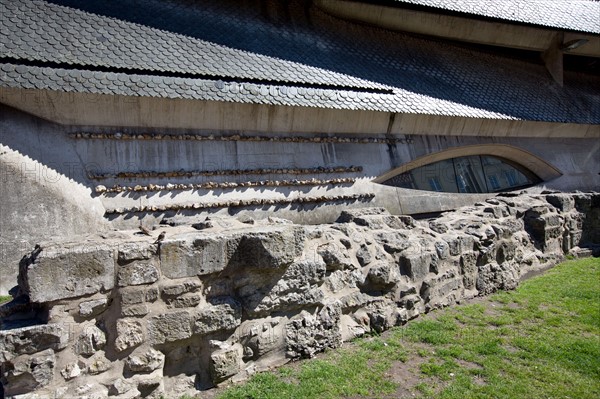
(85, 109)
(461, 28)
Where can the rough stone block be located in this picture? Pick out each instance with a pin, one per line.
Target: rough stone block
(180, 287)
(335, 256)
(98, 363)
(28, 340)
(270, 247)
(415, 265)
(132, 295)
(260, 337)
(145, 361)
(459, 243)
(92, 308)
(194, 255)
(138, 273)
(141, 309)
(468, 268)
(120, 387)
(138, 250)
(364, 255)
(562, 202)
(130, 333)
(187, 301)
(169, 327)
(382, 275)
(297, 287)
(225, 314)
(27, 373)
(80, 269)
(89, 341)
(308, 334)
(70, 371)
(225, 363)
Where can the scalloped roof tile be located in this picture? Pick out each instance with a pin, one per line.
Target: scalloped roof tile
(575, 15)
(231, 51)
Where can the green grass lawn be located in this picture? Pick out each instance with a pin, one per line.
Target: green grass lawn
(539, 341)
(5, 298)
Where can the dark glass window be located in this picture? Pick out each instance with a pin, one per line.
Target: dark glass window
(471, 174)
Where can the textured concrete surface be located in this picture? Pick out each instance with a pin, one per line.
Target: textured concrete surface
(46, 191)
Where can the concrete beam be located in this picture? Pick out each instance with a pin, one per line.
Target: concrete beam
(472, 30)
(82, 109)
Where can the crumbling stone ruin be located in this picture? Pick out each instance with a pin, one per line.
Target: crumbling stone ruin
(126, 315)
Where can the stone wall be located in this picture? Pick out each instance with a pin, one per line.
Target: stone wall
(129, 315)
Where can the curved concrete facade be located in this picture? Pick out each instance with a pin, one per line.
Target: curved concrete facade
(49, 191)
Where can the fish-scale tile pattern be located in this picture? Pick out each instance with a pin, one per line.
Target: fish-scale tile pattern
(292, 56)
(78, 81)
(577, 15)
(38, 30)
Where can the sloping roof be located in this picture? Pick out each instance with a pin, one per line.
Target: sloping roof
(287, 55)
(575, 15)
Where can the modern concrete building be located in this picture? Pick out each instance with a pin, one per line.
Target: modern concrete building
(120, 113)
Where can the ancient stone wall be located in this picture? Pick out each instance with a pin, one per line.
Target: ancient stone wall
(129, 315)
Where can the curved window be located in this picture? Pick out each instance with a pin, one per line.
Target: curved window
(470, 174)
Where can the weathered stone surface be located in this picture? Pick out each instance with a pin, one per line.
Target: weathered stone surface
(169, 327)
(562, 202)
(98, 363)
(89, 341)
(364, 255)
(350, 215)
(335, 256)
(145, 361)
(71, 371)
(130, 333)
(181, 287)
(132, 295)
(150, 386)
(261, 337)
(186, 301)
(493, 277)
(382, 275)
(457, 244)
(141, 309)
(468, 267)
(139, 250)
(299, 293)
(341, 280)
(415, 265)
(81, 270)
(225, 363)
(308, 334)
(393, 241)
(224, 314)
(195, 255)
(120, 387)
(271, 247)
(28, 340)
(92, 308)
(27, 373)
(297, 287)
(357, 300)
(138, 273)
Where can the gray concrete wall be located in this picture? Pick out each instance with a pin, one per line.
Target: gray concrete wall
(46, 190)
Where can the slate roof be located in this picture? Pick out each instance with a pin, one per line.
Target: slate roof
(575, 15)
(284, 55)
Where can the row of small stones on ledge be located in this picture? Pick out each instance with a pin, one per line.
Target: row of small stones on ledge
(238, 203)
(226, 172)
(100, 189)
(237, 137)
